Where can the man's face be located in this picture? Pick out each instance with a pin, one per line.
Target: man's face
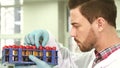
(82, 31)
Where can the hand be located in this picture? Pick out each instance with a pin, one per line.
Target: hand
(37, 38)
(40, 64)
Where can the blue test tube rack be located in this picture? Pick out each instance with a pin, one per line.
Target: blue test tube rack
(15, 55)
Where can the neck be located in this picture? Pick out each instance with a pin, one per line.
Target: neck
(107, 39)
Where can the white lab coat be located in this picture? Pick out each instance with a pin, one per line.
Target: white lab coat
(68, 59)
(113, 61)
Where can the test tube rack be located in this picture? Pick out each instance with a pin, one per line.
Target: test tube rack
(19, 54)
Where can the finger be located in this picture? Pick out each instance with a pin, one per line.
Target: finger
(32, 38)
(37, 39)
(26, 40)
(34, 59)
(45, 36)
(39, 62)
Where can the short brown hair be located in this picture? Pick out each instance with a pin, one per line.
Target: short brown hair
(74, 3)
(92, 9)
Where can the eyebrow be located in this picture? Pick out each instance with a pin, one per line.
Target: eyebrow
(74, 23)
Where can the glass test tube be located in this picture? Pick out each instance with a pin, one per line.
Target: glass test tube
(35, 53)
(15, 52)
(48, 53)
(40, 53)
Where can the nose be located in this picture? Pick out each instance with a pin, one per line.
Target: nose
(73, 32)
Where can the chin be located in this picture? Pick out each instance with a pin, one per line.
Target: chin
(83, 49)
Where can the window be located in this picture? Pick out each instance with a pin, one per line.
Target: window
(10, 22)
(10, 19)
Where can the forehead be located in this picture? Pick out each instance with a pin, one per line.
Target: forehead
(76, 16)
(74, 13)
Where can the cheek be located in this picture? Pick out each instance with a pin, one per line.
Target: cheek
(91, 39)
(95, 30)
(73, 32)
(83, 33)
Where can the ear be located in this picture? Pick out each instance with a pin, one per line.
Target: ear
(100, 23)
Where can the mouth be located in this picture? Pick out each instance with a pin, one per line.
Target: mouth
(76, 40)
(78, 43)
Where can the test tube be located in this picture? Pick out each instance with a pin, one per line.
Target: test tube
(48, 53)
(15, 52)
(35, 53)
(15, 58)
(23, 53)
(27, 52)
(26, 59)
(55, 52)
(41, 58)
(6, 51)
(48, 59)
(41, 53)
(6, 58)
(30, 52)
(23, 50)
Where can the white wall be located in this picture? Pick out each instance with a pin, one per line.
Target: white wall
(118, 14)
(41, 15)
(62, 18)
(118, 17)
(50, 15)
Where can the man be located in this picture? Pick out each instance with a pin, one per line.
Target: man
(93, 26)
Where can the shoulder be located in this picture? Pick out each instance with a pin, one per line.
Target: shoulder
(115, 64)
(113, 61)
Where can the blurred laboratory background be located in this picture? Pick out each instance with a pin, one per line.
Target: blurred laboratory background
(19, 17)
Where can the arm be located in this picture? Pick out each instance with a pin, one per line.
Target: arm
(66, 58)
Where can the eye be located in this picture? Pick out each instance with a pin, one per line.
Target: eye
(77, 26)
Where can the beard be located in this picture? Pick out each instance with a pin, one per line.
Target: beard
(89, 43)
